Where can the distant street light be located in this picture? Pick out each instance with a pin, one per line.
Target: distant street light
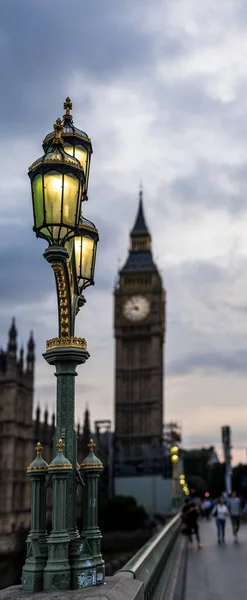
(174, 452)
(59, 183)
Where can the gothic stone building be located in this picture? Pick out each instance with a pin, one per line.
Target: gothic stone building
(19, 434)
(139, 333)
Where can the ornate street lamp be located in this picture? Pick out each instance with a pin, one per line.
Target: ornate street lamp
(76, 143)
(59, 183)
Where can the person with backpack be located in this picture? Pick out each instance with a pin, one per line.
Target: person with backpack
(220, 511)
(190, 515)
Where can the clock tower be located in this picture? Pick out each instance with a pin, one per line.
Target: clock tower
(139, 333)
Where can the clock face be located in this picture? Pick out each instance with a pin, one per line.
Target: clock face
(136, 308)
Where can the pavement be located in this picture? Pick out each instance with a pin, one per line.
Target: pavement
(217, 572)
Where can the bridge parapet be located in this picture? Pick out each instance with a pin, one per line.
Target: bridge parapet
(160, 564)
(155, 572)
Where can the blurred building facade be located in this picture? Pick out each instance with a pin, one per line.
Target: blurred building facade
(16, 436)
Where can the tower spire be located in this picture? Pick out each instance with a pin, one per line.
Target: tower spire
(12, 345)
(140, 190)
(86, 433)
(140, 257)
(140, 226)
(30, 353)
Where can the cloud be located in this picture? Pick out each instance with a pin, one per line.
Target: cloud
(223, 187)
(100, 43)
(162, 91)
(209, 362)
(206, 332)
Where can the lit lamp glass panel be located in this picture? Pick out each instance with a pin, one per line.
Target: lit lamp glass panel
(79, 152)
(70, 198)
(69, 149)
(56, 208)
(53, 186)
(38, 201)
(69, 247)
(85, 251)
(174, 458)
(53, 201)
(81, 155)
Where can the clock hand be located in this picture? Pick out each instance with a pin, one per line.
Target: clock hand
(134, 305)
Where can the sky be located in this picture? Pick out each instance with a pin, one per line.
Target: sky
(161, 88)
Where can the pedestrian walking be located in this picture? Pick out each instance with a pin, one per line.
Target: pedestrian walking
(220, 511)
(190, 515)
(207, 508)
(235, 512)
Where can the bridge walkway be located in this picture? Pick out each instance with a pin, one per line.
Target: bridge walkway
(218, 572)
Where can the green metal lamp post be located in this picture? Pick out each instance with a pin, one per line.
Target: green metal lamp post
(59, 182)
(91, 468)
(57, 571)
(37, 551)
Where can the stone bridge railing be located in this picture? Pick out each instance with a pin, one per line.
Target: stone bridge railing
(155, 572)
(158, 565)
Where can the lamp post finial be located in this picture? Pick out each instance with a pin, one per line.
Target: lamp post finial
(67, 107)
(60, 445)
(38, 449)
(91, 445)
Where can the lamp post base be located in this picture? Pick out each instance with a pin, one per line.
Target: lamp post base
(57, 573)
(32, 577)
(32, 572)
(66, 354)
(93, 572)
(89, 569)
(93, 565)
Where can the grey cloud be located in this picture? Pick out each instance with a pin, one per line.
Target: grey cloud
(198, 272)
(234, 362)
(45, 47)
(203, 188)
(43, 44)
(202, 333)
(24, 273)
(237, 308)
(185, 100)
